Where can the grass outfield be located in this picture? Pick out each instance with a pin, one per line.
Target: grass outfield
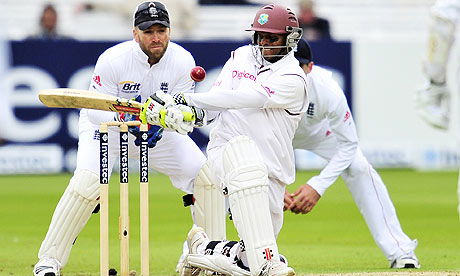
(332, 239)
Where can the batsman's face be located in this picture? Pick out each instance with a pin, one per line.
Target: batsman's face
(272, 45)
(153, 41)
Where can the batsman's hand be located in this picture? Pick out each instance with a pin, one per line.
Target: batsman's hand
(200, 115)
(160, 109)
(301, 201)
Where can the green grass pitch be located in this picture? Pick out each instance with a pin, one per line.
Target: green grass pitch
(332, 239)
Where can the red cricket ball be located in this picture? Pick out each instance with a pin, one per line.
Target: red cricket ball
(198, 74)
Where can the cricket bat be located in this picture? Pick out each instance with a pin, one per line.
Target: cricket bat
(75, 98)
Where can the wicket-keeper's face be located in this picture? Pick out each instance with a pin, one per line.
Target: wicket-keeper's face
(277, 41)
(153, 41)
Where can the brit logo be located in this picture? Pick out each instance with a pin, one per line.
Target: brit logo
(129, 86)
(164, 87)
(97, 80)
(263, 18)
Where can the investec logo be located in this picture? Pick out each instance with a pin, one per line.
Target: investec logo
(104, 159)
(144, 161)
(124, 158)
(129, 86)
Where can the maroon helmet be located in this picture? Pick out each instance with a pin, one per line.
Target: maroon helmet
(274, 19)
(277, 19)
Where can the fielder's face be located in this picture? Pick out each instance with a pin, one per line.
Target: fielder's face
(153, 41)
(272, 45)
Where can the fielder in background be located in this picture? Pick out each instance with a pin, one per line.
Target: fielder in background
(328, 130)
(433, 102)
(260, 94)
(130, 69)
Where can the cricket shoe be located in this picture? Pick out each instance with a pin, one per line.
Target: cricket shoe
(209, 264)
(47, 267)
(195, 237)
(405, 261)
(276, 268)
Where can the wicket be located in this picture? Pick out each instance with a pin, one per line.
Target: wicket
(124, 198)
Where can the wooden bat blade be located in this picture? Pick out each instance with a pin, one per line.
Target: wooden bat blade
(74, 98)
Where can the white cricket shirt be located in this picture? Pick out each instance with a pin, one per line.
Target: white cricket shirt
(123, 71)
(327, 114)
(262, 103)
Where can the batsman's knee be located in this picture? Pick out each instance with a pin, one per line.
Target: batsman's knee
(85, 184)
(243, 165)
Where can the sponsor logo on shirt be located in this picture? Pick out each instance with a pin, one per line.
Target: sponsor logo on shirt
(239, 75)
(97, 80)
(347, 116)
(129, 86)
(268, 90)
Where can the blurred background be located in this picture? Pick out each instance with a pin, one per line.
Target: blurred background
(374, 47)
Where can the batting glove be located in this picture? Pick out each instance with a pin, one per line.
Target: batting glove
(200, 115)
(161, 109)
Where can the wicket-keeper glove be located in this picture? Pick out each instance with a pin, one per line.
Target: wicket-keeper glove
(154, 135)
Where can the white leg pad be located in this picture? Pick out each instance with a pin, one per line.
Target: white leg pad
(71, 214)
(209, 206)
(441, 37)
(246, 179)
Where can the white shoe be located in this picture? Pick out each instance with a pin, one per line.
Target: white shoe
(276, 268)
(209, 264)
(216, 265)
(195, 237)
(47, 267)
(405, 261)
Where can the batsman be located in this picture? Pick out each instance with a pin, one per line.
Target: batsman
(132, 69)
(259, 96)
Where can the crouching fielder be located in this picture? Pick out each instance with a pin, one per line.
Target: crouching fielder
(328, 130)
(260, 94)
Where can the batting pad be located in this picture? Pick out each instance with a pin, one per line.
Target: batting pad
(71, 214)
(246, 179)
(209, 206)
